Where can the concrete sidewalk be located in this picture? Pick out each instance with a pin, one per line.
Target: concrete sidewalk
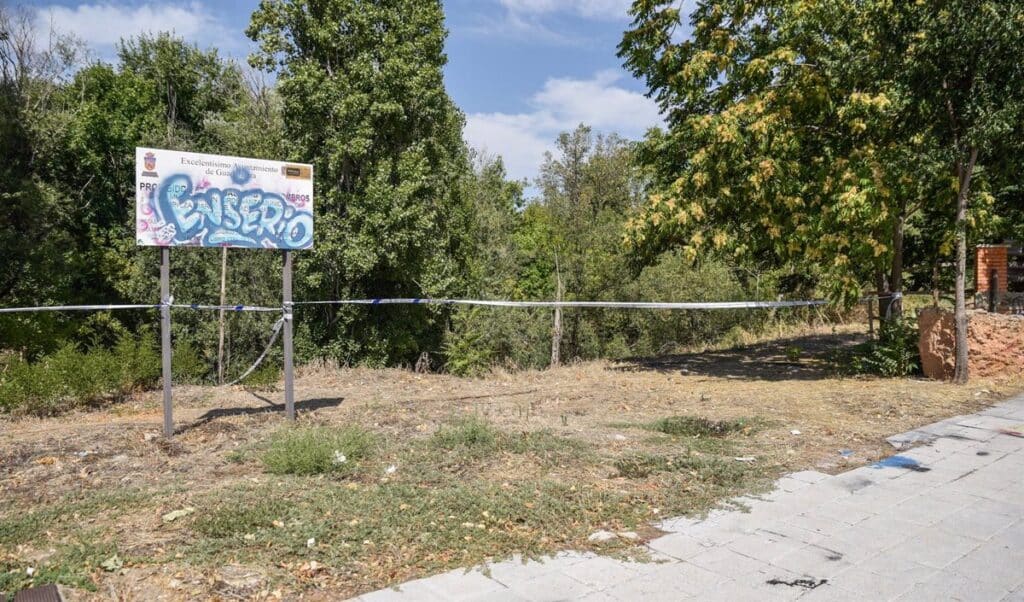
(943, 521)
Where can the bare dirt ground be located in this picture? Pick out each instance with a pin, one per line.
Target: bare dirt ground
(86, 495)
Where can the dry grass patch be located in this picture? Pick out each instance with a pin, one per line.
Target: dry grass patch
(443, 472)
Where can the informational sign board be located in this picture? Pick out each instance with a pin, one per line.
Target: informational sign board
(197, 200)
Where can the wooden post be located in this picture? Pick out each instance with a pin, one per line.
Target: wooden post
(289, 376)
(556, 330)
(165, 336)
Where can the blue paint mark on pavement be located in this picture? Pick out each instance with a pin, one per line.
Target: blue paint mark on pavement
(900, 462)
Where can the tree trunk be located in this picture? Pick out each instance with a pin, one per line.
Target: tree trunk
(556, 331)
(882, 288)
(964, 173)
(894, 308)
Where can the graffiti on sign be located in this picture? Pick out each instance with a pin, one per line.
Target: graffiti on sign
(187, 199)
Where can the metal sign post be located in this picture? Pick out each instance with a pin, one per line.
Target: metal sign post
(289, 376)
(165, 336)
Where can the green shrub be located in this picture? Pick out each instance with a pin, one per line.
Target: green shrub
(894, 354)
(70, 377)
(186, 364)
(318, 450)
(264, 378)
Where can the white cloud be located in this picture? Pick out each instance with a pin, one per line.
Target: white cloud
(591, 9)
(531, 19)
(101, 25)
(562, 104)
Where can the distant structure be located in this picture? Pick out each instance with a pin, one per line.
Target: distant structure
(999, 277)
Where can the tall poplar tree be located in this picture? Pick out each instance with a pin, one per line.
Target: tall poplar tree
(365, 102)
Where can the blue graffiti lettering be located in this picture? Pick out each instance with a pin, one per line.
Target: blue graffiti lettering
(239, 218)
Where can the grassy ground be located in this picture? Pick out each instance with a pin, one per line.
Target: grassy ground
(391, 475)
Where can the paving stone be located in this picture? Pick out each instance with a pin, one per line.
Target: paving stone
(814, 561)
(809, 476)
(928, 509)
(677, 545)
(1002, 443)
(415, 590)
(820, 525)
(1012, 536)
(895, 565)
(953, 586)
(728, 563)
(550, 587)
(600, 573)
(515, 570)
(1009, 507)
(994, 562)
(790, 484)
(462, 585)
(766, 547)
(684, 577)
(859, 579)
(982, 421)
(776, 584)
(976, 524)
(880, 532)
(936, 548)
(599, 597)
(843, 512)
(644, 588)
(831, 593)
(676, 525)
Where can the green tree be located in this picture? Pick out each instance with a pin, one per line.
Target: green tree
(966, 85)
(818, 131)
(364, 100)
(587, 186)
(35, 214)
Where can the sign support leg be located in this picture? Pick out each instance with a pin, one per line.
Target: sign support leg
(165, 336)
(289, 375)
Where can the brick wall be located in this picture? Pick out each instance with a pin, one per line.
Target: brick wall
(988, 258)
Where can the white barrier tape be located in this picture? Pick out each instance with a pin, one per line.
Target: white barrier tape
(273, 339)
(236, 308)
(11, 310)
(581, 304)
(481, 302)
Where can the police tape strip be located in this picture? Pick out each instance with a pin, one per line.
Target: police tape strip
(273, 339)
(196, 306)
(11, 310)
(443, 301)
(574, 304)
(236, 308)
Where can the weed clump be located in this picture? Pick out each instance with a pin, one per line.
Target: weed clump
(475, 437)
(893, 355)
(708, 469)
(318, 450)
(697, 426)
(472, 433)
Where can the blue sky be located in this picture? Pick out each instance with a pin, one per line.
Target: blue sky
(521, 70)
